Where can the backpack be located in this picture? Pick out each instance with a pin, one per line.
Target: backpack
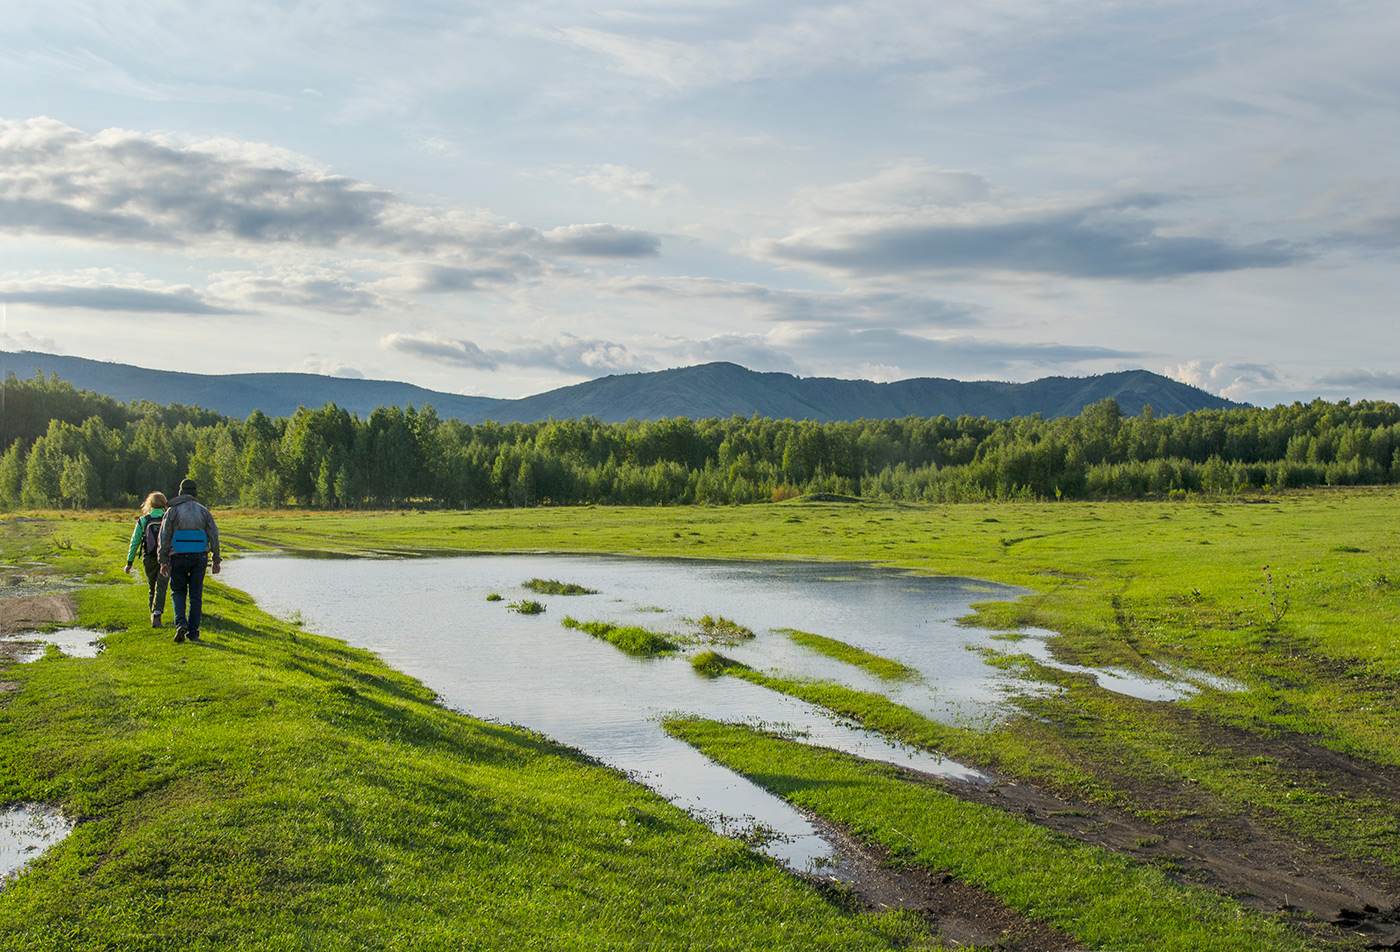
(150, 541)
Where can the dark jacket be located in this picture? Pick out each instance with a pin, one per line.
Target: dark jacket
(183, 512)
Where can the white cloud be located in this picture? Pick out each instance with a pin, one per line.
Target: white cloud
(1234, 381)
(23, 340)
(221, 196)
(107, 290)
(914, 219)
(588, 357)
(632, 183)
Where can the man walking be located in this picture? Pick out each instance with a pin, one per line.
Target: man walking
(188, 537)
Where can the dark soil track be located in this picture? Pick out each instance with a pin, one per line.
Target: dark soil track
(1331, 900)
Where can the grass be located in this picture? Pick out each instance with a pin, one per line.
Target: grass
(636, 641)
(1104, 900)
(527, 606)
(887, 669)
(1123, 584)
(273, 789)
(550, 586)
(719, 628)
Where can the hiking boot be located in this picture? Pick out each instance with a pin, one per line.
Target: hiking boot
(193, 636)
(180, 635)
(155, 619)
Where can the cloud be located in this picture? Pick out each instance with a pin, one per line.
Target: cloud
(26, 341)
(1232, 381)
(942, 232)
(787, 42)
(840, 308)
(632, 183)
(747, 350)
(600, 241)
(321, 289)
(219, 196)
(588, 357)
(884, 345)
(1362, 379)
(91, 294)
(327, 366)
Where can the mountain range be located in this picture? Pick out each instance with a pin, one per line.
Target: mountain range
(707, 390)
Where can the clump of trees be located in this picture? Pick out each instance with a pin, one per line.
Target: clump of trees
(72, 448)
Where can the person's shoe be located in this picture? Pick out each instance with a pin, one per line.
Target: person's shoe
(155, 619)
(193, 636)
(180, 635)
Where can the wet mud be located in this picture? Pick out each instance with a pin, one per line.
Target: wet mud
(1329, 899)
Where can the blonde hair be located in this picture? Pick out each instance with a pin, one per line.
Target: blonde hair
(153, 501)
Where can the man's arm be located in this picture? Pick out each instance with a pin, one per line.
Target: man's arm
(211, 530)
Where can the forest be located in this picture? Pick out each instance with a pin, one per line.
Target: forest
(70, 448)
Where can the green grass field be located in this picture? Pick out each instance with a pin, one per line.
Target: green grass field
(273, 789)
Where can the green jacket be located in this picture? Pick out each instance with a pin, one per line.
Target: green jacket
(139, 534)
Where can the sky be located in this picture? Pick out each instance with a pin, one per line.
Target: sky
(504, 198)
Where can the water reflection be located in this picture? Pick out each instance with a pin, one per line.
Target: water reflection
(26, 832)
(430, 618)
(74, 642)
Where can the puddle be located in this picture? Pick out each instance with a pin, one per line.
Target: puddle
(26, 832)
(430, 618)
(74, 642)
(1180, 682)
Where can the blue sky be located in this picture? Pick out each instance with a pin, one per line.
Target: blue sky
(500, 199)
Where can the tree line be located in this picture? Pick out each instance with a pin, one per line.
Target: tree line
(65, 447)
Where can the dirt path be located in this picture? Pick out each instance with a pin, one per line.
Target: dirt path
(25, 612)
(960, 914)
(1329, 899)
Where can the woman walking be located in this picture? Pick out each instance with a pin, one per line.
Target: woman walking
(144, 539)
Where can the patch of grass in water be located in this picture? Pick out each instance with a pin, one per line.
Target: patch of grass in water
(632, 639)
(719, 628)
(527, 606)
(552, 586)
(887, 669)
(712, 664)
(494, 597)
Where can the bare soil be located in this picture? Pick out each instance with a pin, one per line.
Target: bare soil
(26, 612)
(958, 913)
(1328, 898)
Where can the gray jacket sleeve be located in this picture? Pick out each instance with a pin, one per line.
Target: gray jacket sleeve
(211, 529)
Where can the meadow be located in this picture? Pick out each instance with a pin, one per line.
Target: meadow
(275, 789)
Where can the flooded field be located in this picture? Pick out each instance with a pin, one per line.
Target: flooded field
(432, 619)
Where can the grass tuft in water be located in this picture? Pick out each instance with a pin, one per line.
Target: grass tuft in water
(712, 664)
(887, 669)
(552, 586)
(494, 597)
(527, 606)
(719, 628)
(629, 638)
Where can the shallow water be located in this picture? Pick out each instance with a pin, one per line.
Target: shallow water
(430, 618)
(74, 642)
(26, 832)
(1181, 682)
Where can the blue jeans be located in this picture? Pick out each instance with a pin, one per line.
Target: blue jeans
(187, 575)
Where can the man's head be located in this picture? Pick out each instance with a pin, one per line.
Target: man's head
(188, 488)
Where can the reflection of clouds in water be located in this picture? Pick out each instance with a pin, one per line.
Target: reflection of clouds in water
(74, 642)
(1182, 682)
(26, 832)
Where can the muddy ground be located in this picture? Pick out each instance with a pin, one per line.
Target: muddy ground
(1329, 899)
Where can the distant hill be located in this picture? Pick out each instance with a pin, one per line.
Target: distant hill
(708, 390)
(238, 395)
